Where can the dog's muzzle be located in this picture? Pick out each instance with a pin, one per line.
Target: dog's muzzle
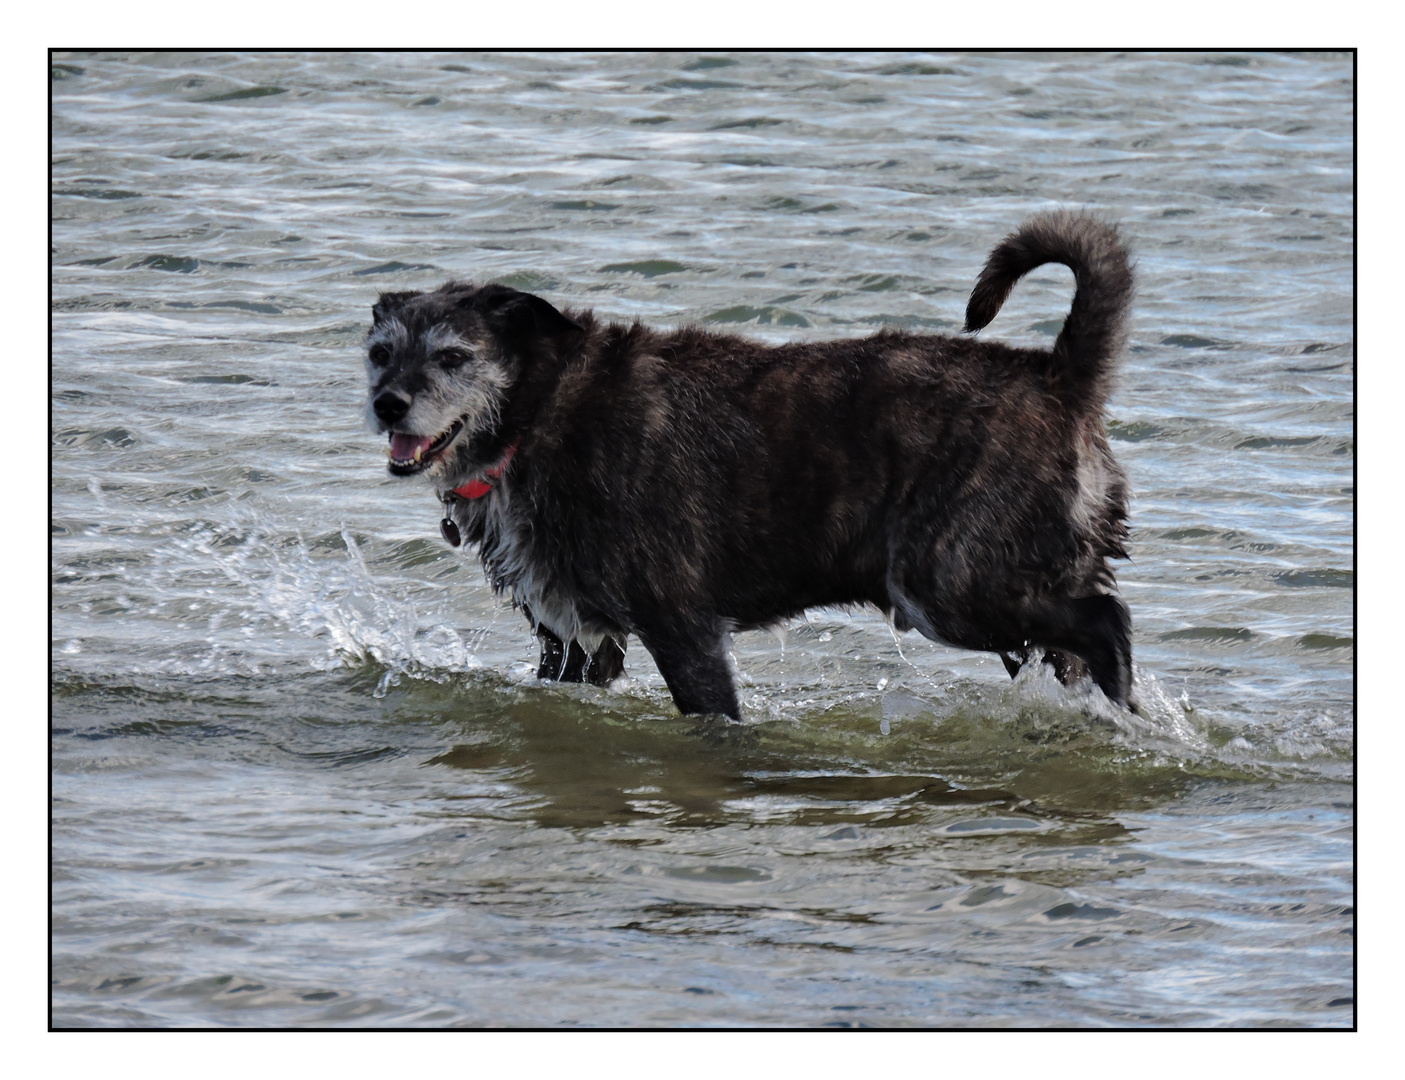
(411, 454)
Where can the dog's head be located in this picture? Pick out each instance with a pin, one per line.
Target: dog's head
(442, 367)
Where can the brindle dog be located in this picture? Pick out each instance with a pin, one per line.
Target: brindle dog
(679, 485)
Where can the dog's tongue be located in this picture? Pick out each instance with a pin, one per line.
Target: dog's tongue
(403, 447)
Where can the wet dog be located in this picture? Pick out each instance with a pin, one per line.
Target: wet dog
(679, 485)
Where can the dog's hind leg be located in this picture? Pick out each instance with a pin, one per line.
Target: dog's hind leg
(1068, 668)
(1096, 630)
(1014, 661)
(695, 668)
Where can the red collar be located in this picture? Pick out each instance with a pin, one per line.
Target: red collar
(476, 488)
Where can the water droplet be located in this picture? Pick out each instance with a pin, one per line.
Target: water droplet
(389, 679)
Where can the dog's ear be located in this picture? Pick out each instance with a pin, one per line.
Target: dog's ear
(516, 315)
(387, 305)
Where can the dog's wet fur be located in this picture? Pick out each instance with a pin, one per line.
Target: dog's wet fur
(678, 485)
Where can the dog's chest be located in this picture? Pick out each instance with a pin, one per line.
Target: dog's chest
(517, 564)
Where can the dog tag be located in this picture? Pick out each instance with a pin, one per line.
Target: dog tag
(450, 531)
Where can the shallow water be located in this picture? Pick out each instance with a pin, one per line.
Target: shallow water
(301, 772)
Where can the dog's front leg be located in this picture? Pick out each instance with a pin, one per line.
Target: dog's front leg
(694, 664)
(571, 663)
(553, 654)
(560, 662)
(606, 663)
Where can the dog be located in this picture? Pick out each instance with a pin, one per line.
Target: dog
(679, 485)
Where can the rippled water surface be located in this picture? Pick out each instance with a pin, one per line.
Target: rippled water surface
(302, 772)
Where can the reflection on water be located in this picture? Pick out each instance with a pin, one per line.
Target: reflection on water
(580, 757)
(302, 773)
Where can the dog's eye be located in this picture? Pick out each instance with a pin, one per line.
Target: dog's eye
(451, 358)
(380, 355)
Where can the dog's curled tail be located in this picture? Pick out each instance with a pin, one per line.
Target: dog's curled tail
(1095, 330)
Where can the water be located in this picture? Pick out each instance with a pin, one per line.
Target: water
(301, 772)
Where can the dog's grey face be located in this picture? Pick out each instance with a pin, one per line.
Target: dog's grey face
(440, 366)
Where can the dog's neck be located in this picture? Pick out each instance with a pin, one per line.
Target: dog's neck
(477, 488)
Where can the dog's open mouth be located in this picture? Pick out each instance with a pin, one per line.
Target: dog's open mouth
(410, 454)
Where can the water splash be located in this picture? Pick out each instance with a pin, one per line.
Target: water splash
(268, 600)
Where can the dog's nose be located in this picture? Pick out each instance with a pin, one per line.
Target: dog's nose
(390, 406)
